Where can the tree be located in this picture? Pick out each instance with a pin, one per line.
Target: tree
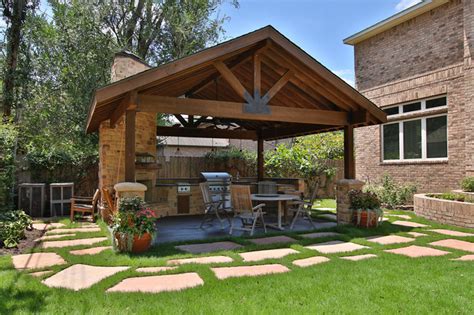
(308, 157)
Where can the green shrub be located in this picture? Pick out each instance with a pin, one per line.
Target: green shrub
(12, 227)
(390, 193)
(363, 200)
(450, 196)
(467, 184)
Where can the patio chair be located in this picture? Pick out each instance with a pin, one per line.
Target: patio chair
(303, 208)
(108, 208)
(244, 210)
(84, 205)
(211, 208)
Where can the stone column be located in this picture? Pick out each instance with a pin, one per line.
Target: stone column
(129, 189)
(342, 198)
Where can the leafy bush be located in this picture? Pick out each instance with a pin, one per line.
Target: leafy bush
(12, 227)
(8, 135)
(364, 200)
(467, 184)
(390, 193)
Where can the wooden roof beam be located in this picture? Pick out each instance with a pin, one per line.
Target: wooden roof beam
(233, 81)
(206, 133)
(163, 104)
(129, 102)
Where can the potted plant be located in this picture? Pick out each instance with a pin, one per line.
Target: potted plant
(133, 226)
(365, 208)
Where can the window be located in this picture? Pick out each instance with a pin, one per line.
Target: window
(419, 138)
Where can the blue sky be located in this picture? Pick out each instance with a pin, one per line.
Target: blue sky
(317, 26)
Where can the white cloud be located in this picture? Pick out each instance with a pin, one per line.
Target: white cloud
(404, 4)
(347, 75)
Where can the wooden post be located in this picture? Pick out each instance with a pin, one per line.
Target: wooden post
(349, 161)
(260, 160)
(130, 145)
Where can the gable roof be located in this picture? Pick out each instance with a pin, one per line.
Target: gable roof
(311, 86)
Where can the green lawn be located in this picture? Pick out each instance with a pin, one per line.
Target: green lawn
(384, 285)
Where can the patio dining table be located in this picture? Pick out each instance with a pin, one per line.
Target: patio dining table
(281, 200)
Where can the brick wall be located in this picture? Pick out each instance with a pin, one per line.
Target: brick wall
(417, 59)
(112, 140)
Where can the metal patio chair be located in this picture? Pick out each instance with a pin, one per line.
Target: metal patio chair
(212, 209)
(302, 208)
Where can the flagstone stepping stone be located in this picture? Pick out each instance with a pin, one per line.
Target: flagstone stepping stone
(273, 240)
(416, 234)
(359, 257)
(335, 247)
(465, 258)
(306, 262)
(249, 271)
(320, 234)
(80, 230)
(267, 254)
(78, 277)
(156, 284)
(155, 269)
(37, 260)
(455, 244)
(389, 239)
(52, 237)
(415, 251)
(45, 226)
(324, 225)
(40, 273)
(201, 260)
(90, 251)
(409, 224)
(208, 247)
(401, 216)
(451, 232)
(68, 243)
(327, 216)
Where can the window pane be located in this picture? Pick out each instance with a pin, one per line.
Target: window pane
(391, 111)
(436, 102)
(412, 139)
(411, 107)
(436, 137)
(391, 142)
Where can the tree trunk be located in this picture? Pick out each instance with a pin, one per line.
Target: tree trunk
(16, 15)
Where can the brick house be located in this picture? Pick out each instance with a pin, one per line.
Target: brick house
(417, 66)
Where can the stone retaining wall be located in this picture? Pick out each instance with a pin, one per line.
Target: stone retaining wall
(444, 211)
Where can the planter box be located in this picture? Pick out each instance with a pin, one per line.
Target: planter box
(444, 211)
(469, 195)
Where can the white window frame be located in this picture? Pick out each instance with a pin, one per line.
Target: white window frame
(424, 144)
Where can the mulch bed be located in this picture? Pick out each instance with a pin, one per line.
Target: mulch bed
(24, 245)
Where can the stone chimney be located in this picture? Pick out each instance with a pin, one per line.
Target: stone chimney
(112, 140)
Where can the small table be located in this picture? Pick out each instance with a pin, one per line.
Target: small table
(281, 200)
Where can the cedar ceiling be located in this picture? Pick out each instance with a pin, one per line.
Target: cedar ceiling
(311, 85)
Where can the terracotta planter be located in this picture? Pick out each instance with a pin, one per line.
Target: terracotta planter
(367, 219)
(141, 244)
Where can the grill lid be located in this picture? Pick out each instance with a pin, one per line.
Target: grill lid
(210, 176)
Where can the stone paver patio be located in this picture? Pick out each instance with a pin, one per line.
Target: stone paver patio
(335, 247)
(69, 243)
(416, 234)
(401, 216)
(201, 260)
(37, 260)
(40, 273)
(359, 257)
(80, 230)
(306, 262)
(320, 234)
(409, 224)
(273, 240)
(155, 269)
(415, 251)
(156, 284)
(267, 254)
(465, 258)
(45, 226)
(241, 271)
(451, 232)
(52, 237)
(90, 251)
(78, 277)
(455, 244)
(208, 247)
(389, 239)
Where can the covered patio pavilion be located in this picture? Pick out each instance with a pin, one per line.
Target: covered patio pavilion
(259, 86)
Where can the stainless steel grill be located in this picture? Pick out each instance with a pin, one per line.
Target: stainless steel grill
(219, 186)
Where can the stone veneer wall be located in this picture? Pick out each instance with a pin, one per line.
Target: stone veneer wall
(426, 56)
(444, 211)
(112, 140)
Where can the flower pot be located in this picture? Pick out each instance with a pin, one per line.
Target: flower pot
(364, 218)
(141, 243)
